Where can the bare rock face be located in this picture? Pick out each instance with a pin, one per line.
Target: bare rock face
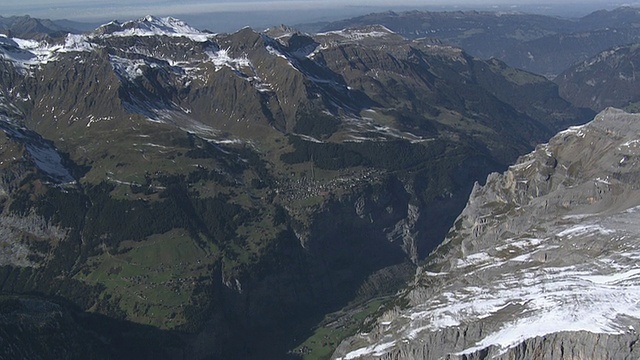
(541, 264)
(18, 235)
(577, 345)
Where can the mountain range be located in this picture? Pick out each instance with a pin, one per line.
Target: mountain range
(541, 44)
(252, 194)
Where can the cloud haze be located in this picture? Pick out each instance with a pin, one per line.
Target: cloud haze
(257, 13)
(100, 9)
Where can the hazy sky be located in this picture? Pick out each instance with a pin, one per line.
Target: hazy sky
(227, 13)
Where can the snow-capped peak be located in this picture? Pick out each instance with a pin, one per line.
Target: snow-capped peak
(372, 31)
(163, 25)
(154, 26)
(28, 53)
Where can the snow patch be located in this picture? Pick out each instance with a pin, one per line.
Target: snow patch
(222, 58)
(375, 350)
(574, 130)
(129, 69)
(44, 155)
(631, 143)
(613, 279)
(309, 138)
(358, 34)
(582, 230)
(26, 54)
(569, 304)
(474, 259)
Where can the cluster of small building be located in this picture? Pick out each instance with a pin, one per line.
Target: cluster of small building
(304, 187)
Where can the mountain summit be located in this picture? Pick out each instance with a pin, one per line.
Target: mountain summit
(152, 26)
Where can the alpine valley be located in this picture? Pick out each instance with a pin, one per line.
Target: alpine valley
(167, 192)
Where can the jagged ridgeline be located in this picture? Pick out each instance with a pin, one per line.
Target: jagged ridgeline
(213, 188)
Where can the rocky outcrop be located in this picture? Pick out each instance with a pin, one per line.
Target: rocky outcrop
(540, 264)
(567, 346)
(19, 236)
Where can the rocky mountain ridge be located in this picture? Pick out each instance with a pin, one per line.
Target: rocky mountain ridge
(541, 263)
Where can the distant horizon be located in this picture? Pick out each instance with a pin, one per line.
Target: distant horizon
(230, 16)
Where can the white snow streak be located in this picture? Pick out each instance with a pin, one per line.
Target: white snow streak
(375, 350)
(532, 297)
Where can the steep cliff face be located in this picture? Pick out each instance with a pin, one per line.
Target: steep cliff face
(540, 264)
